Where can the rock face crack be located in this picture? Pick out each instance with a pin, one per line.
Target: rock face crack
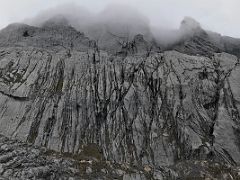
(16, 98)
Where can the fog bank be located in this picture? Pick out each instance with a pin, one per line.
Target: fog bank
(115, 20)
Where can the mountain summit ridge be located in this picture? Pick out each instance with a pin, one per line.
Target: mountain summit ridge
(191, 38)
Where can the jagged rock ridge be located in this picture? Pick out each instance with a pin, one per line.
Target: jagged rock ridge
(194, 40)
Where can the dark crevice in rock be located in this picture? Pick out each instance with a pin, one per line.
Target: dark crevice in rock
(16, 98)
(25, 34)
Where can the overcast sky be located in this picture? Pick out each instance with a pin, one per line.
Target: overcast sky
(222, 16)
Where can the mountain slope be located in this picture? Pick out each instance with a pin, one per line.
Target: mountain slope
(151, 110)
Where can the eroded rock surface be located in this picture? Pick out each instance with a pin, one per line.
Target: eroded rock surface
(138, 107)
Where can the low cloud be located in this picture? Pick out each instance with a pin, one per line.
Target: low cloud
(115, 20)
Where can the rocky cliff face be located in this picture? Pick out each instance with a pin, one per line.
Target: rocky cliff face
(138, 108)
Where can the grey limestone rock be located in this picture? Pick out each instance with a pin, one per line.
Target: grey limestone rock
(145, 111)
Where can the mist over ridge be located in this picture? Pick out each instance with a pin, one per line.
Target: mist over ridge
(115, 20)
(118, 27)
